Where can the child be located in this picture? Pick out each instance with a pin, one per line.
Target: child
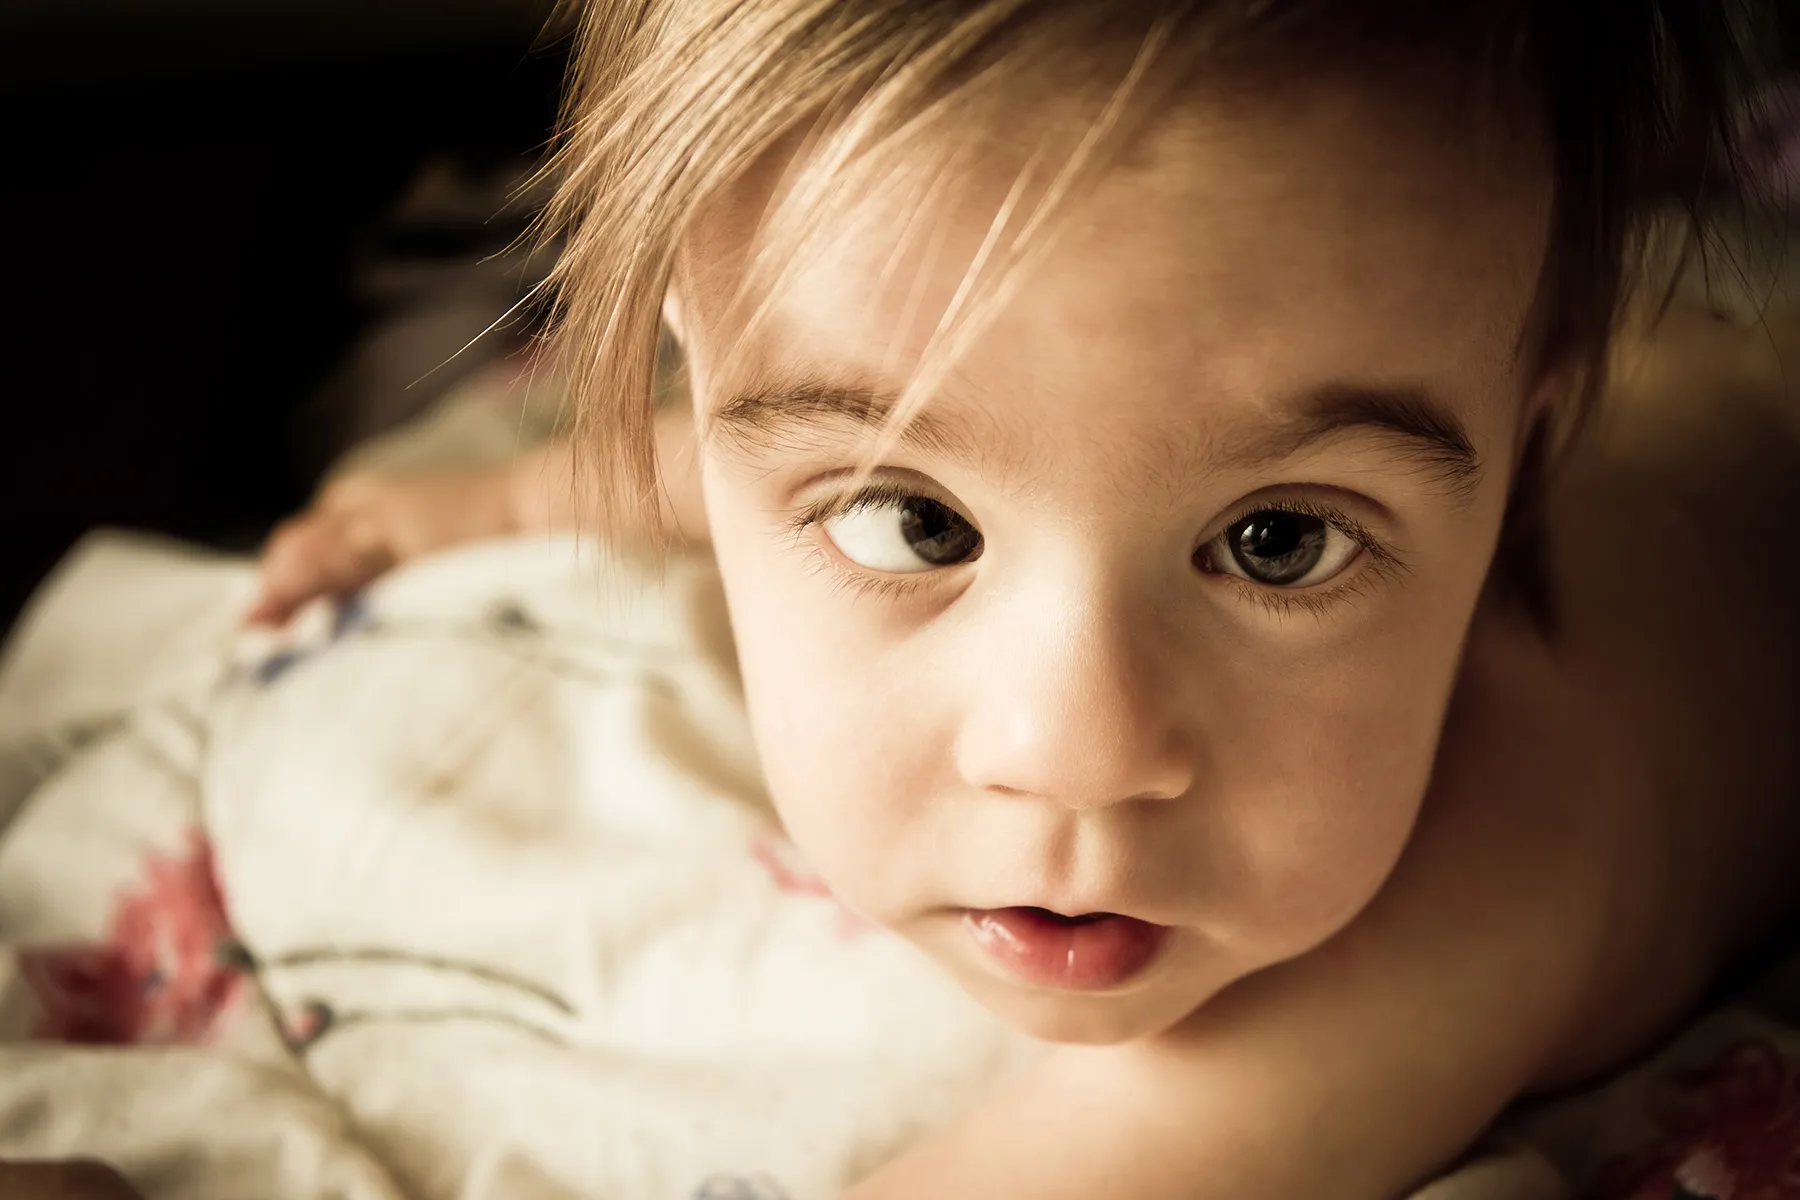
(1124, 432)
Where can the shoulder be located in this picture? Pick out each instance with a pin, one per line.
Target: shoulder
(1671, 542)
(1684, 489)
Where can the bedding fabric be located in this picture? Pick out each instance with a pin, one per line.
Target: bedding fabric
(468, 890)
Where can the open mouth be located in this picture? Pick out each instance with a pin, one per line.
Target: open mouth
(1089, 952)
(1057, 918)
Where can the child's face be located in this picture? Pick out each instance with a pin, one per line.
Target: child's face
(1157, 611)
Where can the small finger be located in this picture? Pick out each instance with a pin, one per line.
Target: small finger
(316, 556)
(281, 575)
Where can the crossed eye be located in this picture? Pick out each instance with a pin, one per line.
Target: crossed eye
(904, 535)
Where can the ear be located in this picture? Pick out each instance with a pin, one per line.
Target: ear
(1550, 403)
(675, 368)
(672, 316)
(1521, 569)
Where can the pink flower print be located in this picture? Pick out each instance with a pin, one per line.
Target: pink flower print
(307, 1024)
(799, 881)
(1730, 1131)
(167, 973)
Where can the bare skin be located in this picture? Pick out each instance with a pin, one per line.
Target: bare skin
(363, 525)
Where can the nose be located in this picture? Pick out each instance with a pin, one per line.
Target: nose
(1076, 703)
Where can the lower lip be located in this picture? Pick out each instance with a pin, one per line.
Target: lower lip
(1089, 955)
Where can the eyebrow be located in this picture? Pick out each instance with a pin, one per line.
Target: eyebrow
(1416, 423)
(762, 417)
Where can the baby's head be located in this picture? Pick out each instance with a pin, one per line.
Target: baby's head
(1110, 415)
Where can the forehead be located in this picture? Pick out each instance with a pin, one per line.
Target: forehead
(1242, 250)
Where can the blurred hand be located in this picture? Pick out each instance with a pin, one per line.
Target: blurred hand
(364, 525)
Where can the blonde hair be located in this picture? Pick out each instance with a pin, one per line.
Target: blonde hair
(670, 102)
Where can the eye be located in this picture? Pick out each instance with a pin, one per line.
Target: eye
(901, 534)
(1281, 548)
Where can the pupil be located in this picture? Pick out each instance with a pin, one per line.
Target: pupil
(936, 533)
(1278, 547)
(1270, 535)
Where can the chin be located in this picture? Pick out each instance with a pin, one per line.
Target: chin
(1070, 1018)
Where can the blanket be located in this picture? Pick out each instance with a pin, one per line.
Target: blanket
(469, 890)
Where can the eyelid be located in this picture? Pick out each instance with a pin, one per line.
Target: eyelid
(1331, 514)
(873, 494)
(876, 491)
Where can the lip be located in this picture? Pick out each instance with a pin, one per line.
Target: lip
(1093, 953)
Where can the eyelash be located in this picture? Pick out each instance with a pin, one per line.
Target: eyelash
(858, 583)
(1384, 563)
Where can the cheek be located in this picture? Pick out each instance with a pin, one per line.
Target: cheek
(839, 761)
(1320, 776)
(1312, 863)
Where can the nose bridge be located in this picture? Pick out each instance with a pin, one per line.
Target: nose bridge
(1081, 705)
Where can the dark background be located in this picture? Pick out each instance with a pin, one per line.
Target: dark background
(208, 211)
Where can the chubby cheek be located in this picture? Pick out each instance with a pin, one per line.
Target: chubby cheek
(1309, 870)
(1318, 781)
(840, 752)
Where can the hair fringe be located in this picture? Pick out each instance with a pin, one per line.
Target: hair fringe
(670, 102)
